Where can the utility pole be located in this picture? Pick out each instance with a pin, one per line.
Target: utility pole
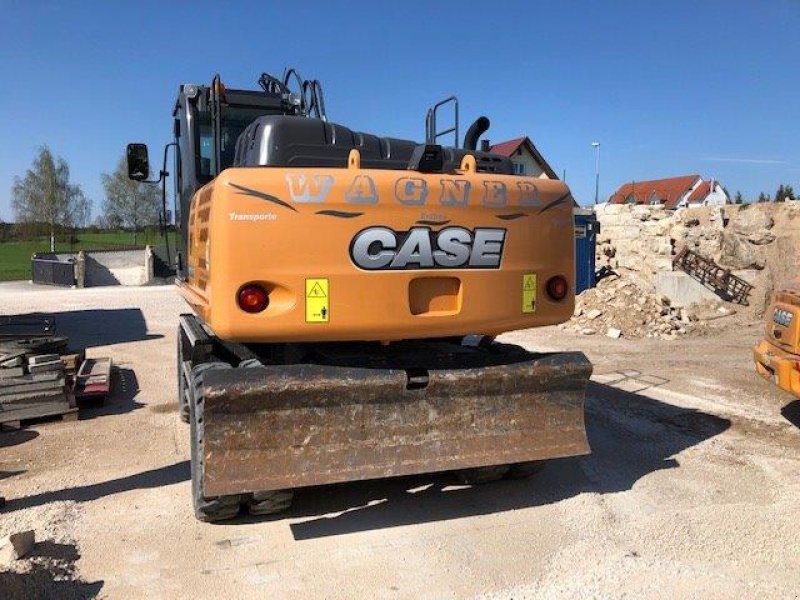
(596, 146)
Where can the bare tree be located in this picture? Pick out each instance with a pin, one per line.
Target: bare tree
(131, 204)
(46, 195)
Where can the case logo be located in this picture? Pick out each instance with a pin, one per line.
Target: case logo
(382, 248)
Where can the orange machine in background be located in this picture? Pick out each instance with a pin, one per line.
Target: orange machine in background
(777, 357)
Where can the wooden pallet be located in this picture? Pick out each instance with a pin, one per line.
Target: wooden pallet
(56, 413)
(38, 374)
(35, 395)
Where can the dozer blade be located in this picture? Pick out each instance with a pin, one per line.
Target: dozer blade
(281, 427)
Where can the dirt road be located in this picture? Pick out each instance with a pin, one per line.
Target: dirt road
(692, 489)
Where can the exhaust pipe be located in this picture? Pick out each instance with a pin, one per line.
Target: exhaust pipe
(475, 131)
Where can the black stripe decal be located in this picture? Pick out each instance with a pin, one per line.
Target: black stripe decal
(339, 213)
(426, 222)
(556, 202)
(512, 216)
(261, 195)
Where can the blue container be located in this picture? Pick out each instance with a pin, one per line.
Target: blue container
(586, 230)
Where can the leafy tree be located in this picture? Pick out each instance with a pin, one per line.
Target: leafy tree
(785, 192)
(128, 203)
(738, 199)
(46, 195)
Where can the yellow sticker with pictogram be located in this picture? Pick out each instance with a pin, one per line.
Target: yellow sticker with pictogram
(318, 308)
(529, 293)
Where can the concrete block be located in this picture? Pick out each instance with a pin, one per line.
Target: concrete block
(681, 289)
(10, 363)
(80, 269)
(15, 546)
(43, 358)
(55, 365)
(149, 265)
(8, 372)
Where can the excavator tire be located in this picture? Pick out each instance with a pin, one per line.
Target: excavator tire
(183, 401)
(206, 509)
(269, 503)
(481, 475)
(526, 469)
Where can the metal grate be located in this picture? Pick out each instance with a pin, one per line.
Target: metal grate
(720, 280)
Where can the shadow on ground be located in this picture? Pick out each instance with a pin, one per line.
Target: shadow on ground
(791, 412)
(102, 326)
(121, 399)
(631, 436)
(12, 437)
(86, 493)
(51, 574)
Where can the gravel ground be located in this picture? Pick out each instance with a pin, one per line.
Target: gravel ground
(691, 490)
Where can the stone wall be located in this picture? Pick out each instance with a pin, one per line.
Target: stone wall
(759, 242)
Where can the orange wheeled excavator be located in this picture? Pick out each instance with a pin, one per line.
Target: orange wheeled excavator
(346, 290)
(777, 356)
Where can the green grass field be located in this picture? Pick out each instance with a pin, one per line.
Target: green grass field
(15, 257)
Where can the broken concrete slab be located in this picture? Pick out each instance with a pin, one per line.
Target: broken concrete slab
(16, 546)
(681, 289)
(613, 333)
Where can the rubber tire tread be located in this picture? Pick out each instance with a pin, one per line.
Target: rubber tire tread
(481, 475)
(526, 469)
(183, 401)
(270, 503)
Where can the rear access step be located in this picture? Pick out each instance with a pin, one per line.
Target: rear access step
(360, 416)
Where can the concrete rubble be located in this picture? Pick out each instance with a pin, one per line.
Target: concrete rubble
(618, 307)
(759, 243)
(16, 546)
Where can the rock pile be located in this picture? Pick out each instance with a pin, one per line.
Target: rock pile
(759, 243)
(617, 307)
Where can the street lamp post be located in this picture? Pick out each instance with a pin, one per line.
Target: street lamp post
(596, 146)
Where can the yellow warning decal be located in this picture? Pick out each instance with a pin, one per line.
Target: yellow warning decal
(529, 293)
(318, 308)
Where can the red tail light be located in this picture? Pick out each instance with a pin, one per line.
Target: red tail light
(557, 287)
(252, 298)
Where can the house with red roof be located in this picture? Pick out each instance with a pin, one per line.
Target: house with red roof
(672, 192)
(527, 159)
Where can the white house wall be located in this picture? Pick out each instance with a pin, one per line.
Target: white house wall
(717, 197)
(532, 168)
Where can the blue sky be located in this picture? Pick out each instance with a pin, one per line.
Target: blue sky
(668, 88)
